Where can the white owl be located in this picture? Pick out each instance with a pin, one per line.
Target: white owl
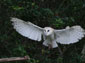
(51, 36)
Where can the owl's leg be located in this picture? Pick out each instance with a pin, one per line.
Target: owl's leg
(49, 46)
(60, 51)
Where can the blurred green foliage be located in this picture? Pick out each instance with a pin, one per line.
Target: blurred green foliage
(55, 13)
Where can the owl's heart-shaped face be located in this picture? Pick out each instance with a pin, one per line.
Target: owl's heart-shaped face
(48, 31)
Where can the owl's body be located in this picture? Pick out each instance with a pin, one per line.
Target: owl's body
(51, 36)
(50, 40)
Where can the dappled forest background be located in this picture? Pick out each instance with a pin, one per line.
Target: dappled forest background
(54, 13)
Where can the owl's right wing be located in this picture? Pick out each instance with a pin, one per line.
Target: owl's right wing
(27, 29)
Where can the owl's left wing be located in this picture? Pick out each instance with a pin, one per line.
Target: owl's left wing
(69, 35)
(27, 29)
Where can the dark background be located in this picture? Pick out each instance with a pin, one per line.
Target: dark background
(54, 13)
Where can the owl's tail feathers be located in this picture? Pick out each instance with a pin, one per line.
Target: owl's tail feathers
(53, 44)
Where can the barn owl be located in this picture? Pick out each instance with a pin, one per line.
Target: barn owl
(51, 36)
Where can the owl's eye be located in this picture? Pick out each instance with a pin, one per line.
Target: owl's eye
(48, 30)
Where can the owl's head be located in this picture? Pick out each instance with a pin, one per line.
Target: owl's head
(48, 31)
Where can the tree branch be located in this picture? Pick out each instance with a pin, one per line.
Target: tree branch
(14, 59)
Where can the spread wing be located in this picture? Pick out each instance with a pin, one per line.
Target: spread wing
(27, 29)
(69, 35)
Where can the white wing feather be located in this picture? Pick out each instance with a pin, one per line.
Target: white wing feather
(27, 29)
(69, 35)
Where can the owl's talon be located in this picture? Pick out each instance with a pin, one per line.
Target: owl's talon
(49, 46)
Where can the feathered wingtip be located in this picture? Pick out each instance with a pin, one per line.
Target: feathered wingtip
(13, 19)
(78, 27)
(84, 32)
